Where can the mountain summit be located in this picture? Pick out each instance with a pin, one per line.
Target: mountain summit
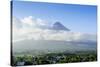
(59, 26)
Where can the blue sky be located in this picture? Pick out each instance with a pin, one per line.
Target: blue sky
(78, 18)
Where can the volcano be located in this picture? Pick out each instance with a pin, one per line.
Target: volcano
(59, 26)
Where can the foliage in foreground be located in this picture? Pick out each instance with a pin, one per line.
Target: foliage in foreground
(54, 58)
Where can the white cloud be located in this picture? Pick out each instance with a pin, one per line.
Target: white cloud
(41, 22)
(30, 28)
(33, 22)
(29, 21)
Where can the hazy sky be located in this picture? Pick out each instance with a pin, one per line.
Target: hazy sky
(78, 18)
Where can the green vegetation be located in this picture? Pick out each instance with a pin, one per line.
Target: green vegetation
(54, 58)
